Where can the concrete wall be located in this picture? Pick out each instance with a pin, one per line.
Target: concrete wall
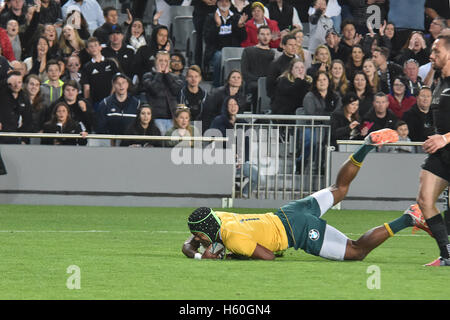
(110, 176)
(386, 181)
(64, 175)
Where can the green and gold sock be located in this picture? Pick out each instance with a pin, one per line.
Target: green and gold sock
(358, 156)
(405, 221)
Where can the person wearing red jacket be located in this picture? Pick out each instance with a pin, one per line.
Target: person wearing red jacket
(258, 20)
(400, 99)
(6, 47)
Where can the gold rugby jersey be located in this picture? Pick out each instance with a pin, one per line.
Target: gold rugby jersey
(241, 232)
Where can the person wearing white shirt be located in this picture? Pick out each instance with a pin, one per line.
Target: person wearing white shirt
(333, 11)
(91, 11)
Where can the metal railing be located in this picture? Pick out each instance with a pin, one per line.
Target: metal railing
(281, 156)
(110, 137)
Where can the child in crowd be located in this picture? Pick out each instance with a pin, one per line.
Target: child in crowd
(403, 132)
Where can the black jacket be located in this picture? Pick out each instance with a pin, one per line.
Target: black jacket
(283, 17)
(12, 110)
(162, 90)
(214, 102)
(135, 128)
(51, 14)
(195, 107)
(86, 118)
(340, 129)
(102, 32)
(420, 124)
(227, 35)
(289, 95)
(276, 68)
(71, 127)
(115, 117)
(394, 70)
(423, 56)
(388, 121)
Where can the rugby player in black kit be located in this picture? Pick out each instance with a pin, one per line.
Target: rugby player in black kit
(435, 173)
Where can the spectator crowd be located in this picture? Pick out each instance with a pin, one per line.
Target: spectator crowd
(71, 67)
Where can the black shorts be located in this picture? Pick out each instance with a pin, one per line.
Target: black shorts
(436, 163)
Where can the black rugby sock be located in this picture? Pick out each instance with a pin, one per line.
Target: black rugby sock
(439, 230)
(447, 220)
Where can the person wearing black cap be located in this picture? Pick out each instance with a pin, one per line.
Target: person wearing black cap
(118, 50)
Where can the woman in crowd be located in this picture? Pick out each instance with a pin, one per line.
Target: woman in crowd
(373, 40)
(370, 71)
(70, 44)
(32, 87)
(400, 98)
(76, 19)
(361, 87)
(339, 82)
(61, 122)
(292, 86)
(234, 87)
(145, 56)
(321, 60)
(396, 46)
(415, 48)
(345, 121)
(135, 35)
(51, 35)
(321, 100)
(355, 61)
(142, 126)
(37, 63)
(181, 128)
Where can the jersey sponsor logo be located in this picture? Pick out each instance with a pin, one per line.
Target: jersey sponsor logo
(249, 219)
(95, 71)
(314, 234)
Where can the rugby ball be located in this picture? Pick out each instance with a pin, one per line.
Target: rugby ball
(216, 247)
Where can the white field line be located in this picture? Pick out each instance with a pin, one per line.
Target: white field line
(158, 231)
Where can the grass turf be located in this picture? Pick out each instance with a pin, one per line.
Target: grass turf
(135, 253)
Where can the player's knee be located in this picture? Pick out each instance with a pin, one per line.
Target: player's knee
(355, 252)
(339, 191)
(424, 201)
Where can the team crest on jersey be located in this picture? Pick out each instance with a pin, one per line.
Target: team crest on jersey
(314, 234)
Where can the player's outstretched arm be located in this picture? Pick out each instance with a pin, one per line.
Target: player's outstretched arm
(262, 253)
(190, 250)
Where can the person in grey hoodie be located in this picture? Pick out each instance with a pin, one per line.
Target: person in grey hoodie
(319, 24)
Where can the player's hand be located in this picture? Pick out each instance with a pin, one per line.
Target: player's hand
(434, 143)
(208, 255)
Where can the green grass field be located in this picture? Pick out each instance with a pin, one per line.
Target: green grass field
(135, 253)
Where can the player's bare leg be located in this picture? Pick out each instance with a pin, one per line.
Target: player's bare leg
(359, 249)
(431, 186)
(351, 167)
